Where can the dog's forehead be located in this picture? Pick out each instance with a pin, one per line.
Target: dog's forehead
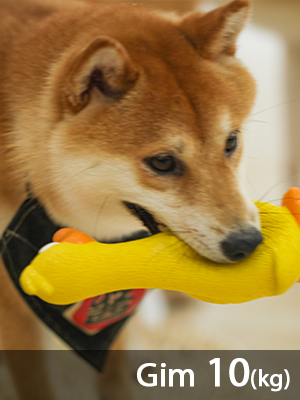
(196, 88)
(192, 108)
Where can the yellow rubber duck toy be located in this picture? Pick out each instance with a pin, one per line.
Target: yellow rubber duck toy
(66, 273)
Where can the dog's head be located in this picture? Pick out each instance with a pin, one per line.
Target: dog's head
(148, 115)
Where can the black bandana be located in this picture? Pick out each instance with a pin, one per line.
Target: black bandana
(90, 326)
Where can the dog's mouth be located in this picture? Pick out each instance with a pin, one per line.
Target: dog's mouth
(145, 217)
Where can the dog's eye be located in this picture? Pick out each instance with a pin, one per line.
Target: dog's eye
(162, 163)
(231, 143)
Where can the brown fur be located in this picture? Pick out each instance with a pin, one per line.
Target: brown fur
(168, 84)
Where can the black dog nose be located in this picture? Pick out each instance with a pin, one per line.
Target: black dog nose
(241, 244)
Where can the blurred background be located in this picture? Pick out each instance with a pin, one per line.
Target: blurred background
(270, 48)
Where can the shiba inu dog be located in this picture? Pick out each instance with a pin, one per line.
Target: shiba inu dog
(122, 118)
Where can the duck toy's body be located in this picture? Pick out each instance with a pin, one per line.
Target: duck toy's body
(66, 273)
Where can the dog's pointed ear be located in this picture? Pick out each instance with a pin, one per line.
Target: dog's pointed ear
(215, 32)
(103, 69)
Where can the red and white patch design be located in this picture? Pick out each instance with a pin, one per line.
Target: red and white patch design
(93, 315)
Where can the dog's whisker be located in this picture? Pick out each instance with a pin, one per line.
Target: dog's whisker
(259, 121)
(101, 208)
(252, 186)
(275, 106)
(249, 130)
(84, 170)
(280, 199)
(276, 185)
(185, 231)
(254, 158)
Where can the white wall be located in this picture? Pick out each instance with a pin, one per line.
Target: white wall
(267, 141)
